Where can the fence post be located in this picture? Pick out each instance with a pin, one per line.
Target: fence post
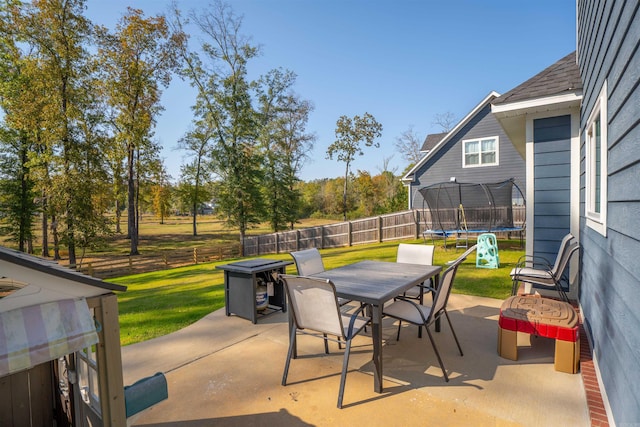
(195, 255)
(130, 264)
(90, 269)
(379, 229)
(277, 243)
(416, 217)
(349, 229)
(322, 237)
(165, 260)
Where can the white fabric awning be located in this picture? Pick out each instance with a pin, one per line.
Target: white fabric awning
(39, 333)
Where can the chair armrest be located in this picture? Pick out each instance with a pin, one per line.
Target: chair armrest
(411, 301)
(426, 288)
(534, 261)
(355, 316)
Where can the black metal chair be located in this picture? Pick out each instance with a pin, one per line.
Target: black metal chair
(539, 271)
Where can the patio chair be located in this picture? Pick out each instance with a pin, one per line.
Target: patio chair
(407, 310)
(309, 262)
(315, 311)
(538, 271)
(416, 254)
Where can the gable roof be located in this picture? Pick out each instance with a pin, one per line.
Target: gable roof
(557, 88)
(46, 281)
(408, 177)
(559, 78)
(432, 140)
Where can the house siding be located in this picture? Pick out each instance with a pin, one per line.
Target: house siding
(608, 50)
(552, 183)
(447, 162)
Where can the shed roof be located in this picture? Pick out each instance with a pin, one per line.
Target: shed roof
(46, 281)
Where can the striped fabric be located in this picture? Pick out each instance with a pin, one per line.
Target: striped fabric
(40, 333)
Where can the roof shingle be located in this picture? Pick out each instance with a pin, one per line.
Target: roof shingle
(561, 77)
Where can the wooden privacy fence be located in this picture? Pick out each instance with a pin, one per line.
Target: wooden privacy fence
(397, 226)
(124, 265)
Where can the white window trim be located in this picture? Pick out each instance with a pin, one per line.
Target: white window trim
(480, 165)
(597, 220)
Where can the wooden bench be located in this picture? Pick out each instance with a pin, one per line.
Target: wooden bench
(542, 317)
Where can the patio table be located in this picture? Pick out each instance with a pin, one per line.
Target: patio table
(375, 283)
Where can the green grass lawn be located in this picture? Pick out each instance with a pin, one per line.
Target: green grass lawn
(162, 302)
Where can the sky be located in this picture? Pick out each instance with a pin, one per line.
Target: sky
(403, 61)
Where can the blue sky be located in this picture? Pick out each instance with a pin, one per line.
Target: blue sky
(403, 61)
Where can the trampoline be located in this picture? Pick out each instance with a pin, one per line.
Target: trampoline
(459, 209)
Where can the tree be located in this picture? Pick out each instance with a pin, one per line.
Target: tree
(349, 134)
(55, 33)
(445, 121)
(161, 193)
(224, 103)
(198, 143)
(284, 141)
(17, 187)
(409, 145)
(138, 58)
(17, 192)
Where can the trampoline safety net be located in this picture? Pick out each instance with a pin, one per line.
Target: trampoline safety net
(462, 208)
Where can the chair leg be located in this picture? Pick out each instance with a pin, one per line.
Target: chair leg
(561, 292)
(514, 287)
(326, 344)
(435, 350)
(292, 344)
(343, 376)
(454, 332)
(399, 326)
(421, 299)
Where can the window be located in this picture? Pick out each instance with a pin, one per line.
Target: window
(596, 165)
(480, 152)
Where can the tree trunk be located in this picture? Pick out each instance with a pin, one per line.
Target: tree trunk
(45, 227)
(56, 240)
(132, 208)
(195, 223)
(118, 217)
(344, 192)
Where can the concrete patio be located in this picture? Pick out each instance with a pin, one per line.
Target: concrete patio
(226, 371)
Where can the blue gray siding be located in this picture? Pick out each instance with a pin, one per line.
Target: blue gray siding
(552, 183)
(608, 49)
(447, 162)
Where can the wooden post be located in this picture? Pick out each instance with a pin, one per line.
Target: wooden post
(417, 223)
(130, 264)
(349, 228)
(109, 359)
(379, 229)
(90, 269)
(297, 240)
(277, 243)
(195, 255)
